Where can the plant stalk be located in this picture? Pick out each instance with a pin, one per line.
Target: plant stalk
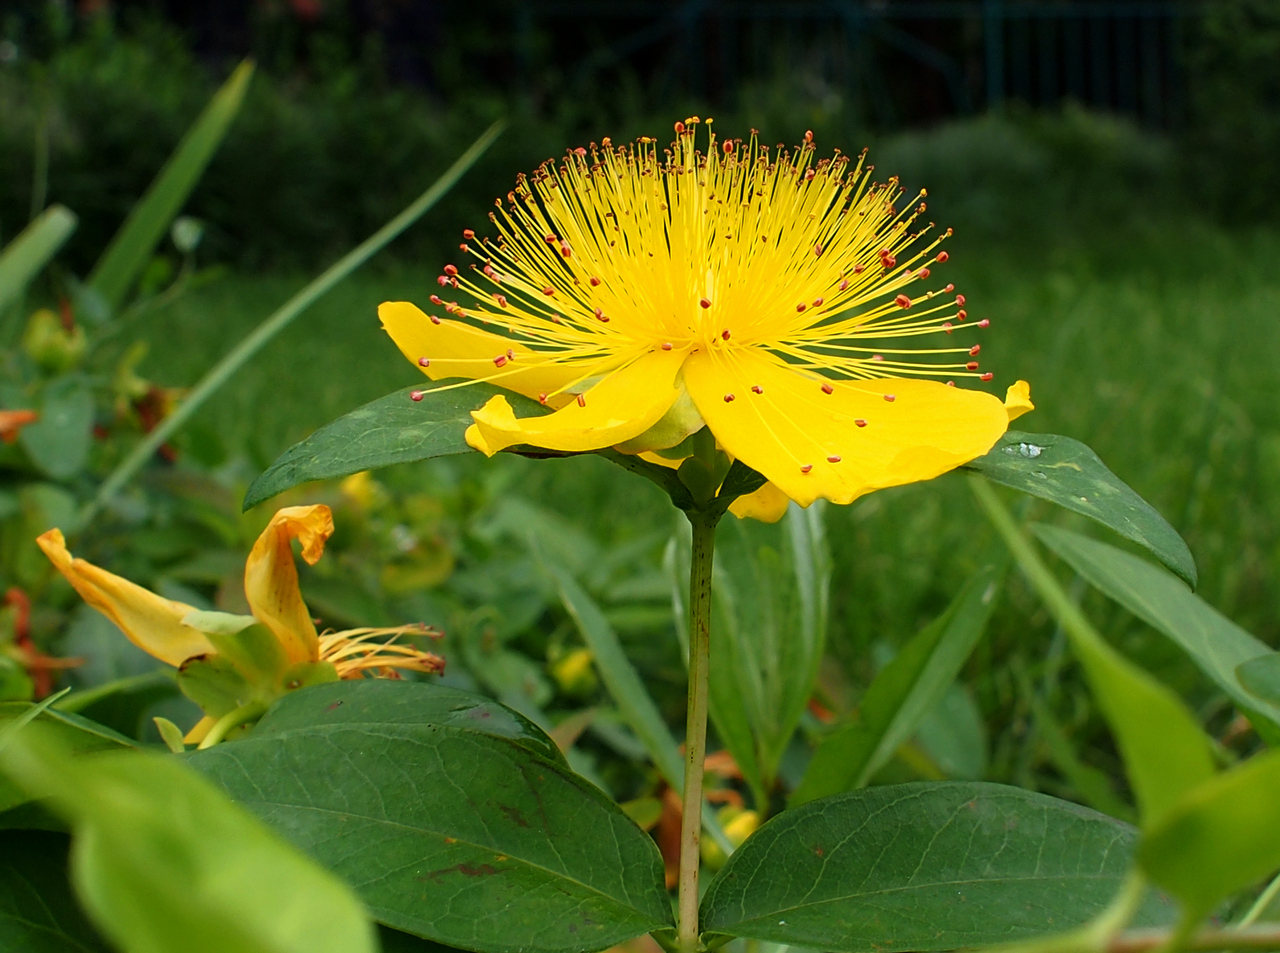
(695, 744)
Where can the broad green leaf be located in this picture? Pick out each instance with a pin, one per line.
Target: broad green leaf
(391, 429)
(1166, 753)
(1222, 837)
(1216, 644)
(35, 245)
(1261, 677)
(921, 867)
(163, 861)
(59, 442)
(37, 911)
(901, 695)
(768, 633)
(149, 220)
(453, 817)
(634, 702)
(1066, 472)
(74, 734)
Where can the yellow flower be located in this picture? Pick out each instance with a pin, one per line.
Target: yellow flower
(769, 296)
(243, 662)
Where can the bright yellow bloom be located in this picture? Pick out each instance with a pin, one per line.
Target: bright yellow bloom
(644, 294)
(274, 650)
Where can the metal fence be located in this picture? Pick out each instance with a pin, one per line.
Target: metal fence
(898, 60)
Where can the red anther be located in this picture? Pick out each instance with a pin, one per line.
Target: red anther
(859, 269)
(724, 335)
(511, 355)
(450, 270)
(728, 398)
(902, 301)
(436, 300)
(453, 282)
(889, 262)
(959, 301)
(961, 314)
(679, 127)
(806, 468)
(941, 257)
(833, 459)
(463, 246)
(565, 250)
(580, 152)
(971, 366)
(501, 299)
(542, 398)
(844, 285)
(948, 289)
(548, 290)
(809, 174)
(757, 389)
(859, 422)
(468, 234)
(582, 400)
(417, 395)
(891, 397)
(986, 377)
(877, 357)
(424, 362)
(666, 345)
(923, 273)
(705, 302)
(727, 147)
(443, 281)
(951, 383)
(595, 282)
(884, 253)
(801, 306)
(550, 239)
(984, 323)
(434, 319)
(946, 326)
(488, 270)
(817, 249)
(451, 307)
(827, 389)
(500, 360)
(817, 302)
(973, 351)
(808, 135)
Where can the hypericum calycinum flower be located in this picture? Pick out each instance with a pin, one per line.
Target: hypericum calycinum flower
(772, 297)
(231, 664)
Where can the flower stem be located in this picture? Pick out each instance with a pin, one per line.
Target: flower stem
(695, 744)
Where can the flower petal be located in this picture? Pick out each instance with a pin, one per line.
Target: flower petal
(767, 504)
(456, 349)
(623, 404)
(1017, 400)
(271, 578)
(804, 434)
(151, 622)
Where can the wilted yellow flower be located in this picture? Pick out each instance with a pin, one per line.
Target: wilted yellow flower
(773, 297)
(246, 660)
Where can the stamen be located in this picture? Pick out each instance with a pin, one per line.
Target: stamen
(757, 389)
(728, 398)
(860, 422)
(806, 468)
(424, 362)
(827, 389)
(417, 395)
(890, 397)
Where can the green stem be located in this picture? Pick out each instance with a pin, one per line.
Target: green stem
(221, 372)
(250, 711)
(703, 523)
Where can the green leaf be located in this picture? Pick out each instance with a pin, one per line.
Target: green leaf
(35, 245)
(453, 817)
(73, 733)
(37, 911)
(149, 220)
(1066, 472)
(391, 429)
(901, 695)
(59, 442)
(1216, 644)
(163, 861)
(768, 633)
(1222, 837)
(921, 867)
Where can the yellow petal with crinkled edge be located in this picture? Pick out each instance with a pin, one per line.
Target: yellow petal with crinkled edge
(151, 622)
(455, 349)
(837, 440)
(271, 578)
(1017, 400)
(623, 404)
(767, 504)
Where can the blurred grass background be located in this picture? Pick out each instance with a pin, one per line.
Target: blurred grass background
(1128, 272)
